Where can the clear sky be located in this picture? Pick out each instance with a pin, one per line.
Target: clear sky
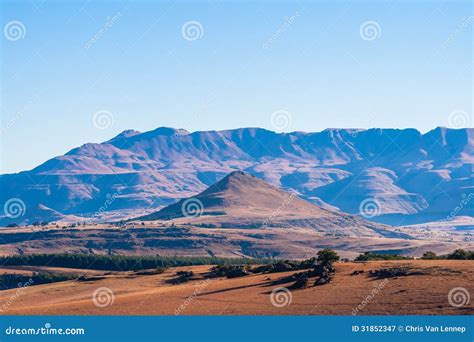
(328, 64)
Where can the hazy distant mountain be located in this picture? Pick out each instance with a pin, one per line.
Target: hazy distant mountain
(411, 177)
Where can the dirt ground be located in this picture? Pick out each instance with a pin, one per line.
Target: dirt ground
(425, 292)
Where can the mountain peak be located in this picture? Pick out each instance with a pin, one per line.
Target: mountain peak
(169, 131)
(241, 200)
(240, 194)
(236, 181)
(128, 133)
(239, 175)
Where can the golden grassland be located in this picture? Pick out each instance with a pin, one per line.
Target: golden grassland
(423, 293)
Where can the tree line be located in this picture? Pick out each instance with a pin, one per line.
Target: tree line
(120, 262)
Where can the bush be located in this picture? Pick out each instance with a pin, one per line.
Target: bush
(151, 272)
(461, 254)
(458, 254)
(429, 256)
(369, 256)
(393, 272)
(229, 271)
(327, 256)
(9, 281)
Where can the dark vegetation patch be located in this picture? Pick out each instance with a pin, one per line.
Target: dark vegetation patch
(154, 271)
(10, 281)
(357, 272)
(120, 262)
(182, 277)
(394, 272)
(234, 271)
(321, 273)
(320, 268)
(229, 271)
(405, 271)
(89, 278)
(370, 256)
(458, 254)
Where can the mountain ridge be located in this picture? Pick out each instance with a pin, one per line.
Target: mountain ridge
(414, 177)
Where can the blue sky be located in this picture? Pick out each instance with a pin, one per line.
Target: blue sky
(251, 59)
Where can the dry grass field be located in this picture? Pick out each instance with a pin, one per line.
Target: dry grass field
(423, 292)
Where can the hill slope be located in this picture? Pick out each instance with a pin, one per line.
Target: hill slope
(241, 200)
(244, 194)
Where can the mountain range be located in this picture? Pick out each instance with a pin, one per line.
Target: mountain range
(406, 176)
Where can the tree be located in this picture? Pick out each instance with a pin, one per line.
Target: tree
(327, 256)
(429, 255)
(459, 254)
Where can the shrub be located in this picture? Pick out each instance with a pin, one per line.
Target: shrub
(429, 256)
(327, 256)
(9, 281)
(369, 256)
(461, 254)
